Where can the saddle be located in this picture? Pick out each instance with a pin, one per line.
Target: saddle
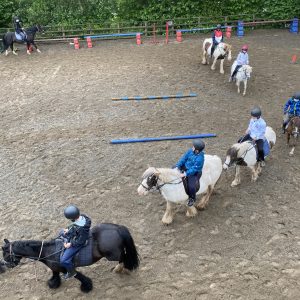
(85, 255)
(266, 148)
(20, 36)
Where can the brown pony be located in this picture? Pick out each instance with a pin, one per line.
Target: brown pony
(293, 130)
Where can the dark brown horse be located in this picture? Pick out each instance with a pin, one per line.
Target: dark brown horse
(293, 130)
(111, 241)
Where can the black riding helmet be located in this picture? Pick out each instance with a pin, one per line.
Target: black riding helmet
(198, 145)
(72, 212)
(296, 95)
(256, 112)
(219, 26)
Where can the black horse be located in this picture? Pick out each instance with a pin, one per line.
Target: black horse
(108, 240)
(9, 39)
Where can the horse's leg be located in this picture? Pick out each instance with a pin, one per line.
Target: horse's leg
(12, 49)
(238, 85)
(191, 212)
(213, 66)
(86, 283)
(222, 66)
(28, 48)
(204, 57)
(254, 174)
(168, 216)
(293, 148)
(54, 282)
(237, 179)
(36, 47)
(205, 199)
(245, 87)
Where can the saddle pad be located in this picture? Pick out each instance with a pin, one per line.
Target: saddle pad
(83, 258)
(19, 37)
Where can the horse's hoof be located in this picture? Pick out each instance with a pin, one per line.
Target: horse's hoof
(222, 72)
(38, 51)
(233, 184)
(191, 212)
(15, 53)
(167, 221)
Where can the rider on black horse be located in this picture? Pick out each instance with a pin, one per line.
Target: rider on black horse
(191, 164)
(75, 236)
(18, 25)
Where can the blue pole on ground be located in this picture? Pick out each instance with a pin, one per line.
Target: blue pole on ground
(164, 138)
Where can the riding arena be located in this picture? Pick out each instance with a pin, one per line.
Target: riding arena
(57, 123)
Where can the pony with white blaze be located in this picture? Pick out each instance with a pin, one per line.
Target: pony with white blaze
(242, 75)
(169, 183)
(245, 154)
(222, 50)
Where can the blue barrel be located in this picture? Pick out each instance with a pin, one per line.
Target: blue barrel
(294, 25)
(240, 28)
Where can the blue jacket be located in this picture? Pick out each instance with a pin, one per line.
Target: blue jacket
(192, 162)
(292, 107)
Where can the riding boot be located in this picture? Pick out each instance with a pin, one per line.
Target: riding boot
(191, 202)
(71, 273)
(283, 128)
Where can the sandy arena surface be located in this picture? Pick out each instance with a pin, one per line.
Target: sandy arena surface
(57, 120)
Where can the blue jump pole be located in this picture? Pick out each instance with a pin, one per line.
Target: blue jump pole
(164, 138)
(165, 97)
(240, 29)
(294, 25)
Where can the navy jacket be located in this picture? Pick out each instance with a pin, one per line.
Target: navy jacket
(78, 235)
(192, 162)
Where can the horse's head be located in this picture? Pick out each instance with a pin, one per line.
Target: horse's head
(149, 181)
(231, 157)
(248, 70)
(10, 258)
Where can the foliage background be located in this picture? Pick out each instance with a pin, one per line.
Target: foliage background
(70, 12)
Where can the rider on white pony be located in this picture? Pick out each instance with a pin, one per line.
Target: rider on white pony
(191, 164)
(217, 38)
(256, 133)
(242, 59)
(291, 109)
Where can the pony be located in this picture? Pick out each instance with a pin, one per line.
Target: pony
(9, 39)
(111, 241)
(245, 154)
(222, 50)
(242, 75)
(293, 130)
(170, 185)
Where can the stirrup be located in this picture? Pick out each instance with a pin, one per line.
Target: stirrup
(69, 275)
(191, 202)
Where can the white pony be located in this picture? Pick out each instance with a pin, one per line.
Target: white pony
(244, 154)
(243, 74)
(222, 50)
(170, 185)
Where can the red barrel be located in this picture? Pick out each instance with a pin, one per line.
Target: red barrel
(228, 32)
(179, 36)
(138, 39)
(89, 42)
(76, 43)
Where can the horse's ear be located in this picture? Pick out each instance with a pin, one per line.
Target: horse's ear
(6, 241)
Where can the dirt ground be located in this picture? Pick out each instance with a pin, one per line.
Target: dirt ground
(57, 120)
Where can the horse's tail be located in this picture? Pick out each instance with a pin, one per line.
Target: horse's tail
(131, 257)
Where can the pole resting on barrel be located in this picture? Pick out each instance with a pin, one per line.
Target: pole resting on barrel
(164, 138)
(165, 97)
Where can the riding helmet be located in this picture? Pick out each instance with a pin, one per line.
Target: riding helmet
(198, 145)
(256, 112)
(72, 212)
(219, 26)
(245, 48)
(296, 95)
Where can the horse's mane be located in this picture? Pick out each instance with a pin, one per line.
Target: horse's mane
(238, 149)
(165, 174)
(32, 243)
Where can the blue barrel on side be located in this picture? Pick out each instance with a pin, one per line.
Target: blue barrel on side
(240, 29)
(294, 25)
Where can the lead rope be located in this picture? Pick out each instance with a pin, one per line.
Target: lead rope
(35, 273)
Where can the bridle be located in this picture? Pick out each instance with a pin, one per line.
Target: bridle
(152, 182)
